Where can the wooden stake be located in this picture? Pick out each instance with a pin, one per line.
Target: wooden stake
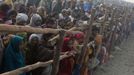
(88, 34)
(57, 53)
(108, 45)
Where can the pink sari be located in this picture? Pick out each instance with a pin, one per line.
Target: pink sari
(66, 65)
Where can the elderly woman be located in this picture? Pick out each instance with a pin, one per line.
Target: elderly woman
(36, 20)
(42, 52)
(21, 19)
(32, 48)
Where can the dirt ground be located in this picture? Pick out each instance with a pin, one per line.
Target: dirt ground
(122, 62)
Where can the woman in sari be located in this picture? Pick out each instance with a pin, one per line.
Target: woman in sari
(13, 54)
(66, 65)
(39, 51)
(32, 49)
(79, 38)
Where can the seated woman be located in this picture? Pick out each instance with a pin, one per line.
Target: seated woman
(13, 54)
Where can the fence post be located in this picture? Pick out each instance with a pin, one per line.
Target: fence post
(109, 42)
(56, 58)
(84, 48)
(88, 34)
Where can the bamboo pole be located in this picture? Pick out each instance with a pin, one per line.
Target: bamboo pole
(72, 29)
(57, 36)
(88, 34)
(16, 29)
(108, 45)
(84, 48)
(101, 34)
(113, 41)
(32, 67)
(57, 53)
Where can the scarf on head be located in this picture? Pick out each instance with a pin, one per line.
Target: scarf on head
(13, 57)
(35, 20)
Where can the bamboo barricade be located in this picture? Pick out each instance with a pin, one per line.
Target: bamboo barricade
(57, 57)
(32, 67)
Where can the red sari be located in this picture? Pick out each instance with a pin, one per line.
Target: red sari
(66, 65)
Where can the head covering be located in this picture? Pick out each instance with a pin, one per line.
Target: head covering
(79, 35)
(34, 36)
(66, 65)
(13, 57)
(65, 46)
(35, 20)
(21, 17)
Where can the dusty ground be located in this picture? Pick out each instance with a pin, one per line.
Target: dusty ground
(123, 61)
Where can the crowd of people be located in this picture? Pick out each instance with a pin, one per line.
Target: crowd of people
(20, 49)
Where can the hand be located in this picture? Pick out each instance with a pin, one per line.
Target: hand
(66, 53)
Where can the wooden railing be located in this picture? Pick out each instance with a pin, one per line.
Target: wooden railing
(32, 67)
